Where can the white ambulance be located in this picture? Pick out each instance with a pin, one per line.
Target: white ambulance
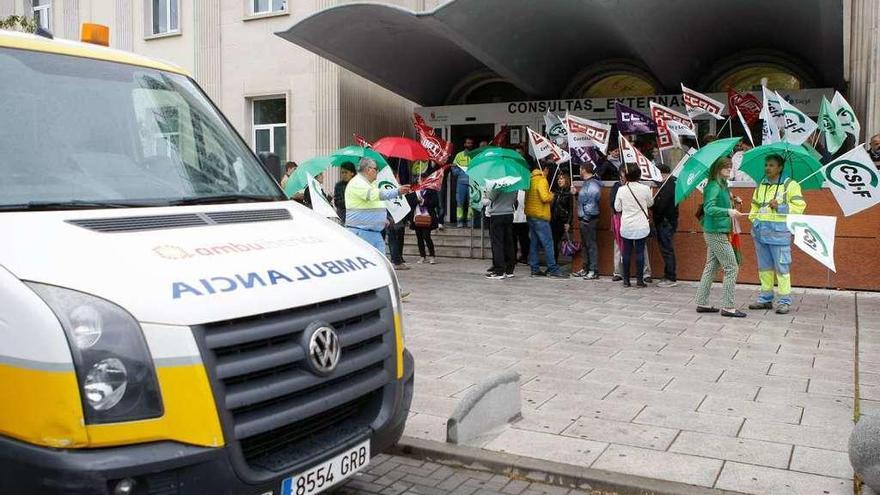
(169, 322)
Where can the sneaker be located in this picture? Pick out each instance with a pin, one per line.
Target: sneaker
(539, 274)
(432, 261)
(649, 280)
(509, 275)
(641, 285)
(591, 276)
(491, 269)
(494, 276)
(616, 278)
(760, 305)
(783, 309)
(421, 260)
(557, 275)
(440, 226)
(459, 225)
(627, 285)
(579, 273)
(665, 284)
(401, 266)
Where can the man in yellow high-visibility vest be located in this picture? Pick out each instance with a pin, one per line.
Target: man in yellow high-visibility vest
(462, 183)
(775, 198)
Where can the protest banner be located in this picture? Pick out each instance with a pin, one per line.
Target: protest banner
(854, 181)
(698, 104)
(814, 235)
(670, 123)
(398, 207)
(630, 154)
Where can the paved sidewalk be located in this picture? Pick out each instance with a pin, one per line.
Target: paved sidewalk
(634, 381)
(396, 475)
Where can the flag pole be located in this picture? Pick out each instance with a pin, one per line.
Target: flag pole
(725, 125)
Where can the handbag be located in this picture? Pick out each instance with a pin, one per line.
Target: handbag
(422, 220)
(652, 230)
(569, 248)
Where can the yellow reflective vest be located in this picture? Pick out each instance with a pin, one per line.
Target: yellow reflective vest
(768, 225)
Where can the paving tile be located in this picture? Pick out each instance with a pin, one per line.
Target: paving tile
(542, 422)
(761, 480)
(592, 389)
(551, 447)
(733, 449)
(654, 381)
(824, 462)
(575, 406)
(661, 465)
(427, 427)
(678, 400)
(733, 390)
(689, 420)
(759, 411)
(807, 436)
(617, 432)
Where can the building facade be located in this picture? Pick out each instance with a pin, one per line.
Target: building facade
(280, 97)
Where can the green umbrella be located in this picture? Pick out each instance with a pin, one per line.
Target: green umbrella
(696, 168)
(800, 164)
(354, 153)
(499, 168)
(313, 166)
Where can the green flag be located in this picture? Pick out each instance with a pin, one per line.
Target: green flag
(834, 132)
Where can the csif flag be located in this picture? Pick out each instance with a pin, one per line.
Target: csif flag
(846, 115)
(544, 149)
(669, 123)
(631, 121)
(798, 126)
(360, 141)
(814, 235)
(742, 120)
(748, 104)
(769, 128)
(438, 149)
(698, 104)
(854, 181)
(584, 134)
(555, 128)
(831, 127)
(630, 154)
(433, 181)
(773, 107)
(320, 205)
(399, 206)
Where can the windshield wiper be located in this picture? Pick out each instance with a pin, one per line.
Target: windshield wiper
(224, 198)
(69, 205)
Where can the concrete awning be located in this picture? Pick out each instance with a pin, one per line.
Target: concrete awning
(539, 46)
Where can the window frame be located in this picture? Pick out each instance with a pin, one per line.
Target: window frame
(269, 127)
(42, 14)
(150, 24)
(252, 8)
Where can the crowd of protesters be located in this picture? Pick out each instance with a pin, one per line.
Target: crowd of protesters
(534, 227)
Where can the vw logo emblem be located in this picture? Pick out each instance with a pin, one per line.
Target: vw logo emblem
(324, 349)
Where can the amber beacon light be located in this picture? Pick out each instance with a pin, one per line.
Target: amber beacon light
(97, 34)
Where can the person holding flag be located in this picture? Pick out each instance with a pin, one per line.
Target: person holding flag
(462, 184)
(538, 199)
(774, 198)
(365, 210)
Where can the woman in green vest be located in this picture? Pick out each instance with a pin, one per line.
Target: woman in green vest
(716, 216)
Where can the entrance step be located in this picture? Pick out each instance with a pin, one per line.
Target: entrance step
(452, 243)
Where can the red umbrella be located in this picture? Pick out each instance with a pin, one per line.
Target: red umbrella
(401, 147)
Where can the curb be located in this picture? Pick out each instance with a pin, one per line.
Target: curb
(541, 471)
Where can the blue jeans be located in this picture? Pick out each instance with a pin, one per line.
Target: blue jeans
(540, 233)
(637, 245)
(395, 233)
(373, 238)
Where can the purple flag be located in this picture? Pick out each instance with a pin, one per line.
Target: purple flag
(630, 121)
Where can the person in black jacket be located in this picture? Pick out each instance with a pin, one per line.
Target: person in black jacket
(426, 202)
(560, 209)
(666, 223)
(346, 173)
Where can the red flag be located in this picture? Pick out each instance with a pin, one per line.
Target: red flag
(438, 149)
(748, 104)
(500, 139)
(360, 141)
(433, 181)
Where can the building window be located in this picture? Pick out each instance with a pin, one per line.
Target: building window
(270, 126)
(43, 14)
(620, 85)
(749, 78)
(268, 6)
(165, 16)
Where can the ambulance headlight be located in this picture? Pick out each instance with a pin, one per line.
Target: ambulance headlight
(113, 365)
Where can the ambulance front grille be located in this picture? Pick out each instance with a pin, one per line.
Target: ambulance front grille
(182, 220)
(271, 403)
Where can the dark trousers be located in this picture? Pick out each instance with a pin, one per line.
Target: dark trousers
(503, 248)
(558, 229)
(628, 246)
(589, 243)
(521, 239)
(665, 231)
(395, 242)
(423, 237)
